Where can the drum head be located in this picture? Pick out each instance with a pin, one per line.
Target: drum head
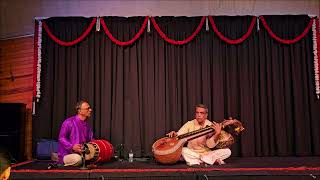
(92, 150)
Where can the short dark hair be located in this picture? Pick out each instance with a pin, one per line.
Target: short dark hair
(78, 105)
(202, 106)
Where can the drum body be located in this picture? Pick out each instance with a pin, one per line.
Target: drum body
(100, 151)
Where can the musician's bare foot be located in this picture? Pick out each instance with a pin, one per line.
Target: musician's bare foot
(193, 165)
(92, 166)
(220, 162)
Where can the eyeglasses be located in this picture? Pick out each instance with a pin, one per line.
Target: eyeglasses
(86, 108)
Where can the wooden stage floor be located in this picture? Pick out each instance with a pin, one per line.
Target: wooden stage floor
(235, 168)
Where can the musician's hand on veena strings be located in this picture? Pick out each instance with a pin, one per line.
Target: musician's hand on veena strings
(217, 127)
(171, 134)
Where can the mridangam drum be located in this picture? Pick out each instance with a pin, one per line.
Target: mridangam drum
(100, 151)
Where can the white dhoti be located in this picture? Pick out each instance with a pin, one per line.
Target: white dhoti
(210, 157)
(72, 160)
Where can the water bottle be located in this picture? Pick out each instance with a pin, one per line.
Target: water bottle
(131, 156)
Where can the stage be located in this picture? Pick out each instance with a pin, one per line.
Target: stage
(235, 168)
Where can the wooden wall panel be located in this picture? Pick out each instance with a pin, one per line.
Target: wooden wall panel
(16, 74)
(16, 70)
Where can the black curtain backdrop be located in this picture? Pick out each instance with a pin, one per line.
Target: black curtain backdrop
(142, 91)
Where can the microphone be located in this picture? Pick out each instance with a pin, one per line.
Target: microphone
(84, 150)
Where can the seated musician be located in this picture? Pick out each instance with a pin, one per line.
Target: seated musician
(4, 165)
(203, 149)
(73, 133)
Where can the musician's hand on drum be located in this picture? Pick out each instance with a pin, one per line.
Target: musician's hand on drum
(77, 148)
(172, 134)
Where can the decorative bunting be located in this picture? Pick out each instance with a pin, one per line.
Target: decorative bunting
(207, 24)
(258, 25)
(124, 43)
(232, 41)
(286, 41)
(36, 64)
(177, 42)
(38, 95)
(148, 28)
(98, 24)
(205, 19)
(71, 43)
(318, 45)
(316, 53)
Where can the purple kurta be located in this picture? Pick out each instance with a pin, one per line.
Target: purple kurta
(73, 131)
